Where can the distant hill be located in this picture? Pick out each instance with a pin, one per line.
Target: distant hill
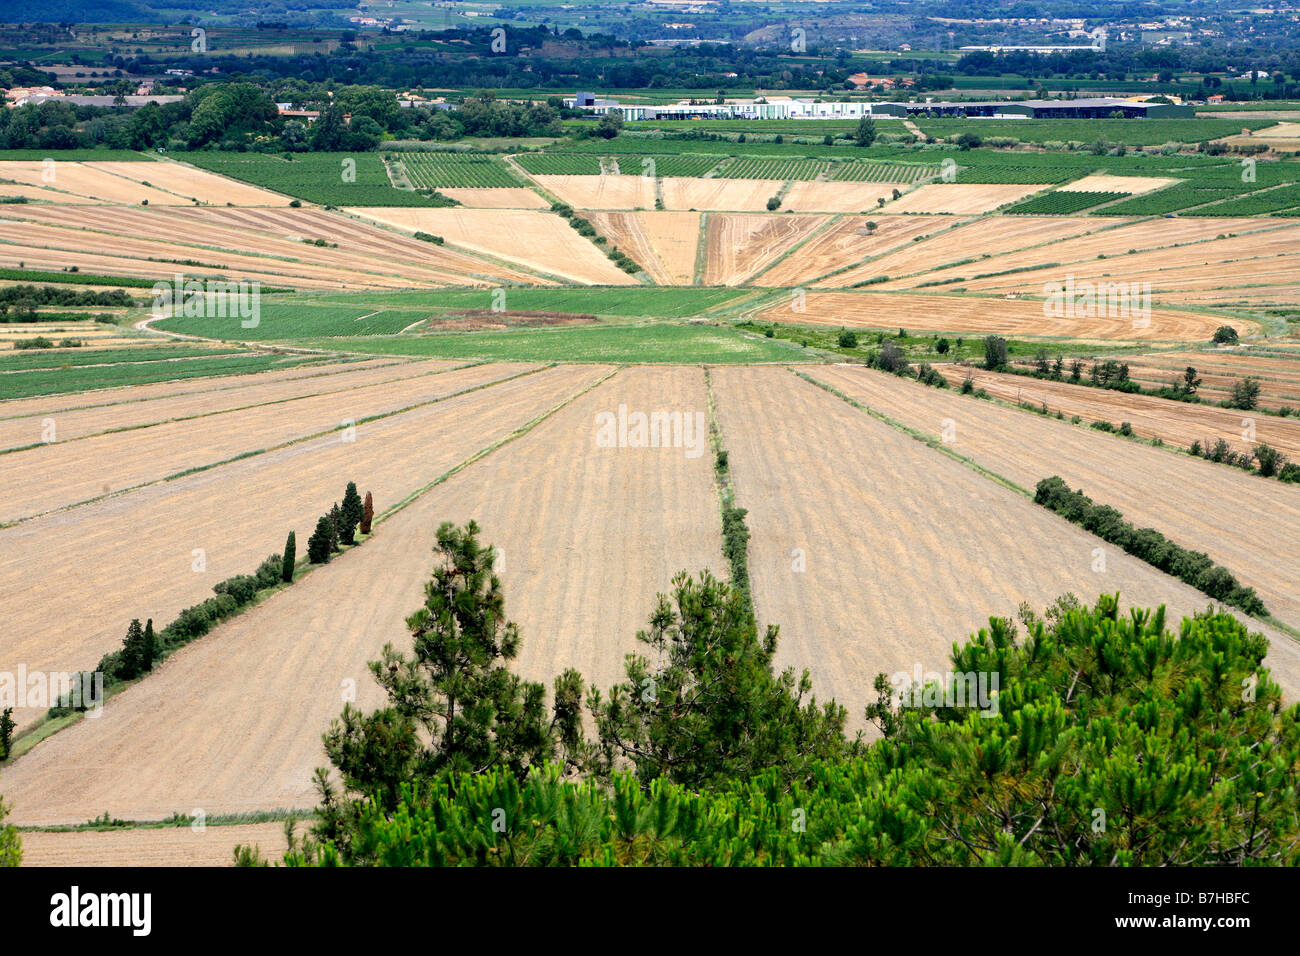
(75, 11)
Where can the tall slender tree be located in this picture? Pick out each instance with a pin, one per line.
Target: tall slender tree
(318, 545)
(290, 556)
(352, 511)
(367, 514)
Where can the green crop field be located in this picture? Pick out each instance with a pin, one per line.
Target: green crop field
(641, 344)
(1167, 200)
(20, 360)
(436, 170)
(560, 164)
(680, 165)
(860, 172)
(773, 169)
(315, 177)
(1132, 132)
(75, 155)
(1257, 204)
(1061, 203)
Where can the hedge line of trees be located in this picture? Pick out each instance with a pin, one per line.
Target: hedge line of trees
(1114, 744)
(338, 526)
(1192, 567)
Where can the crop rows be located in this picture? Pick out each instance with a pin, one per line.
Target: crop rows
(337, 179)
(681, 165)
(1256, 204)
(882, 172)
(1167, 200)
(773, 169)
(1026, 175)
(1062, 203)
(561, 164)
(436, 170)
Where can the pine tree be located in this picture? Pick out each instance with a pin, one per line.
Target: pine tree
(352, 512)
(318, 545)
(290, 556)
(336, 525)
(367, 514)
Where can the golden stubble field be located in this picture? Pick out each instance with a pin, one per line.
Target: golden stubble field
(588, 535)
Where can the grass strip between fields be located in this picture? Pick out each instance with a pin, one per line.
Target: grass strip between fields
(735, 533)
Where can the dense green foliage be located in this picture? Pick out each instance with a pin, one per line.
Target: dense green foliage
(1192, 567)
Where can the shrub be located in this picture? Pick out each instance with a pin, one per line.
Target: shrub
(1270, 460)
(848, 339)
(319, 544)
(1245, 394)
(995, 352)
(1225, 335)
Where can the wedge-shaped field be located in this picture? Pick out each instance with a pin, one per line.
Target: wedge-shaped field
(496, 197)
(277, 246)
(1178, 423)
(664, 243)
(153, 846)
(740, 245)
(538, 240)
(135, 555)
(837, 196)
(17, 431)
(588, 534)
(1241, 521)
(835, 250)
(188, 184)
(60, 474)
(718, 194)
(968, 243)
(1019, 317)
(875, 553)
(960, 199)
(602, 192)
(83, 180)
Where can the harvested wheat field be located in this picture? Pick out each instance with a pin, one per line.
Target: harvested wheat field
(188, 183)
(44, 194)
(273, 395)
(962, 199)
(66, 473)
(917, 551)
(663, 243)
(578, 603)
(739, 245)
(274, 243)
(130, 394)
(718, 194)
(84, 180)
(496, 197)
(836, 197)
(846, 243)
(602, 192)
(68, 622)
(1019, 317)
(1178, 423)
(1103, 183)
(1177, 495)
(1278, 378)
(968, 239)
(532, 238)
(153, 846)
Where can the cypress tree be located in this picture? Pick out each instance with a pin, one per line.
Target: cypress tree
(290, 555)
(318, 545)
(352, 512)
(148, 647)
(367, 514)
(336, 526)
(132, 648)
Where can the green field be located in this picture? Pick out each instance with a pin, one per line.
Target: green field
(1170, 199)
(1257, 204)
(22, 359)
(75, 155)
(860, 172)
(315, 177)
(1132, 132)
(437, 170)
(803, 169)
(639, 344)
(56, 381)
(1061, 203)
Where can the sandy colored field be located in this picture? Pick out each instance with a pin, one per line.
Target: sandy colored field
(496, 197)
(1178, 423)
(273, 242)
(158, 846)
(581, 567)
(717, 194)
(257, 391)
(44, 194)
(65, 473)
(134, 554)
(837, 197)
(741, 245)
(1019, 317)
(916, 552)
(971, 239)
(602, 192)
(848, 242)
(1155, 237)
(189, 183)
(1102, 183)
(84, 180)
(960, 198)
(1280, 136)
(1219, 371)
(130, 394)
(1241, 521)
(663, 243)
(536, 239)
